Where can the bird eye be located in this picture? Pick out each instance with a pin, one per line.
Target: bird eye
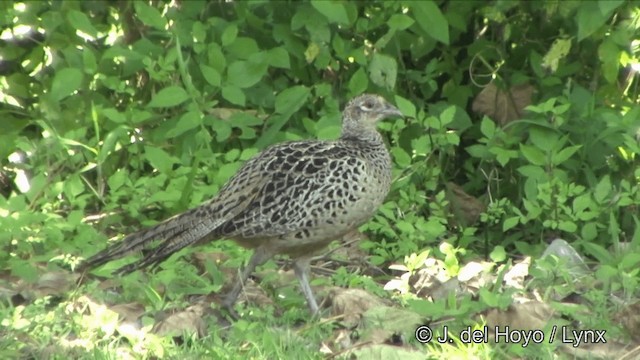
(367, 105)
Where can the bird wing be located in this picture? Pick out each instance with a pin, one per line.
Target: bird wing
(305, 183)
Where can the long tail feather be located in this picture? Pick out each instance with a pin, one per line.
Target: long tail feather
(168, 247)
(141, 240)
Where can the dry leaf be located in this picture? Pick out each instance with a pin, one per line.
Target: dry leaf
(503, 106)
(189, 320)
(350, 304)
(465, 208)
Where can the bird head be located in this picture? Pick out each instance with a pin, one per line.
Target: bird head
(366, 110)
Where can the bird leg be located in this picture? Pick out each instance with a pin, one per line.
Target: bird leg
(301, 269)
(259, 257)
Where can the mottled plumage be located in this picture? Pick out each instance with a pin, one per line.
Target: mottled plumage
(292, 198)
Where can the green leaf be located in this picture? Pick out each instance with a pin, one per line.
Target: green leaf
(533, 155)
(544, 139)
(532, 171)
(383, 70)
(229, 34)
(358, 82)
(431, 20)
(447, 116)
(399, 22)
(590, 18)
(278, 57)
(600, 253)
(564, 154)
(159, 159)
(608, 6)
(498, 254)
(401, 157)
(66, 82)
(334, 11)
(510, 223)
(487, 127)
(109, 143)
(80, 21)
(244, 74)
(406, 106)
(89, 61)
(602, 190)
(116, 180)
(169, 97)
(188, 121)
(210, 74)
(609, 54)
(234, 95)
(478, 151)
(150, 16)
(291, 100)
(114, 115)
(589, 231)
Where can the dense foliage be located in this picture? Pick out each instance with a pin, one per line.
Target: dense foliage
(522, 123)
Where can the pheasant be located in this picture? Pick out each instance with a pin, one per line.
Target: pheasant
(293, 198)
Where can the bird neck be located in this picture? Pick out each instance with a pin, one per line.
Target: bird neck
(356, 132)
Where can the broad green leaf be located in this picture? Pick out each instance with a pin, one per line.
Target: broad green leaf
(478, 151)
(406, 106)
(244, 74)
(401, 157)
(487, 127)
(159, 159)
(383, 70)
(243, 47)
(199, 32)
(108, 146)
(399, 22)
(567, 226)
(169, 97)
(564, 154)
(609, 54)
(358, 82)
(590, 18)
(89, 61)
(446, 117)
(278, 57)
(114, 115)
(600, 253)
(291, 99)
(80, 21)
(149, 15)
(66, 82)
(510, 223)
(544, 139)
(608, 6)
(431, 20)
(210, 74)
(533, 155)
(116, 180)
(603, 189)
(498, 254)
(334, 11)
(229, 34)
(589, 231)
(188, 121)
(234, 95)
(221, 127)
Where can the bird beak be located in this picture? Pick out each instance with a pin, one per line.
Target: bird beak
(391, 110)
